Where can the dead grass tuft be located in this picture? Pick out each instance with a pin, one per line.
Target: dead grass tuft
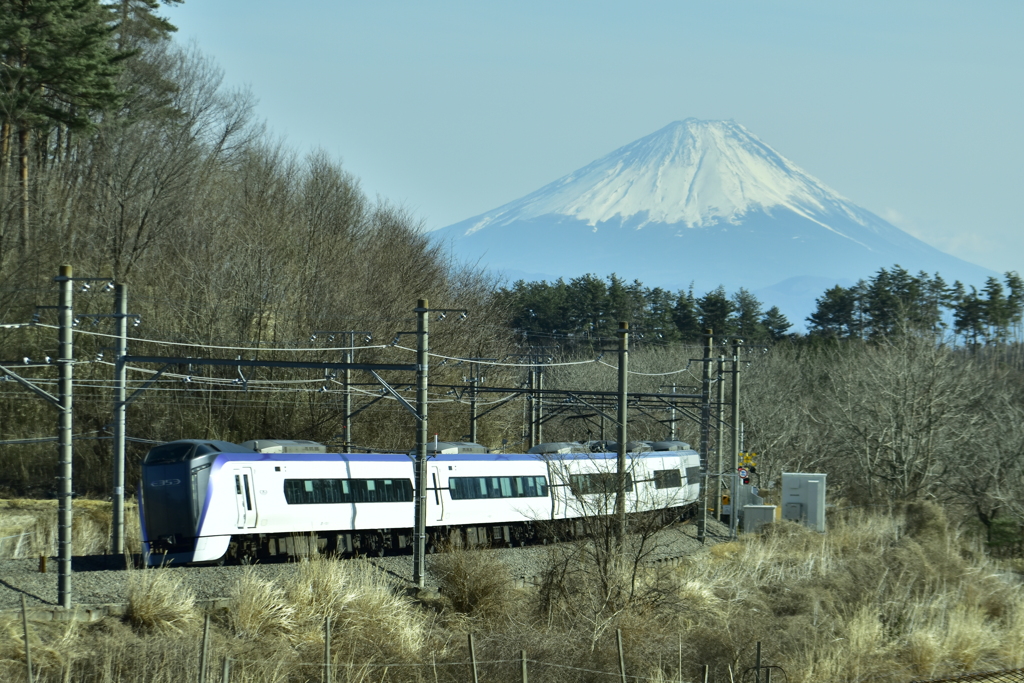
(259, 607)
(369, 613)
(474, 581)
(160, 600)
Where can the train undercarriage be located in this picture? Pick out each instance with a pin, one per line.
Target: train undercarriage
(382, 542)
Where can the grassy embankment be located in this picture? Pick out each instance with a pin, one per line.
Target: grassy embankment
(880, 598)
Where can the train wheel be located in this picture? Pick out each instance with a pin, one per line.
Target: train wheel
(374, 545)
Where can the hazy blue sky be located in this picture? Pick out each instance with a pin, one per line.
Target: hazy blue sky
(910, 109)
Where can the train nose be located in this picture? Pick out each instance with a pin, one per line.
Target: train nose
(168, 502)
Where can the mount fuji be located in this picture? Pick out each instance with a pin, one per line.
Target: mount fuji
(701, 202)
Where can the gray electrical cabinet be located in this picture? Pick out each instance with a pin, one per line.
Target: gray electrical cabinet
(803, 499)
(756, 516)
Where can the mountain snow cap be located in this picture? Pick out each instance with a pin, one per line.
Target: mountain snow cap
(696, 173)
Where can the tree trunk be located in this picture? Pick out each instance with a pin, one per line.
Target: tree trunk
(5, 179)
(25, 239)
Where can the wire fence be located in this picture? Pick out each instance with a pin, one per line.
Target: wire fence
(353, 666)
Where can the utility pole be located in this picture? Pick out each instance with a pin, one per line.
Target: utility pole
(346, 378)
(120, 414)
(672, 419)
(533, 406)
(620, 497)
(474, 383)
(736, 439)
(419, 546)
(420, 532)
(347, 401)
(705, 429)
(350, 358)
(540, 405)
(65, 426)
(720, 440)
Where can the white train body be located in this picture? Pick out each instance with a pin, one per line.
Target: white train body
(203, 501)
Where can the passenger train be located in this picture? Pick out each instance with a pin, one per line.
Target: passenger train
(213, 501)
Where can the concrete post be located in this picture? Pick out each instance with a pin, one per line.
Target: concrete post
(66, 362)
(705, 429)
(620, 494)
(422, 359)
(120, 414)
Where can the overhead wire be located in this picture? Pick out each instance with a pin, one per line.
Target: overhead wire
(295, 349)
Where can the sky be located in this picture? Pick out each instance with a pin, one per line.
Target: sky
(910, 109)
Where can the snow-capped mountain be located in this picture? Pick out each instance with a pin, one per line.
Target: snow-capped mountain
(705, 202)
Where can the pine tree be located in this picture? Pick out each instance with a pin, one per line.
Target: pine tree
(746, 319)
(775, 324)
(1015, 300)
(716, 311)
(969, 316)
(996, 311)
(58, 68)
(658, 315)
(835, 313)
(686, 316)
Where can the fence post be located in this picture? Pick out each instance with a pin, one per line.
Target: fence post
(327, 650)
(226, 678)
(679, 667)
(206, 650)
(705, 671)
(472, 659)
(622, 659)
(28, 651)
(526, 678)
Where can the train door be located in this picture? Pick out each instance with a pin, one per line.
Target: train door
(557, 493)
(245, 498)
(435, 485)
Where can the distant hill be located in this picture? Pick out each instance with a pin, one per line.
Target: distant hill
(705, 202)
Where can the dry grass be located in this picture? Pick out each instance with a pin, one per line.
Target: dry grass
(370, 614)
(259, 608)
(160, 600)
(31, 526)
(474, 582)
(879, 598)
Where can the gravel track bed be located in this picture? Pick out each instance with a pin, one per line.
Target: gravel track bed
(101, 580)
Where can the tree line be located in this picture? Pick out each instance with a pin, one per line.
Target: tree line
(589, 307)
(895, 301)
(890, 303)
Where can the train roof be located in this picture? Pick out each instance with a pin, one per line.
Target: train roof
(185, 448)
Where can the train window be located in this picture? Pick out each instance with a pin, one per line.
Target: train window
(333, 491)
(667, 479)
(693, 475)
(248, 500)
(598, 482)
(471, 488)
(168, 453)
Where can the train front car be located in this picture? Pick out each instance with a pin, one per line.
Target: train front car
(173, 498)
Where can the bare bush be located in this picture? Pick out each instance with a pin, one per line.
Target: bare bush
(474, 580)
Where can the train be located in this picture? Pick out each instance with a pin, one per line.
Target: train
(209, 501)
